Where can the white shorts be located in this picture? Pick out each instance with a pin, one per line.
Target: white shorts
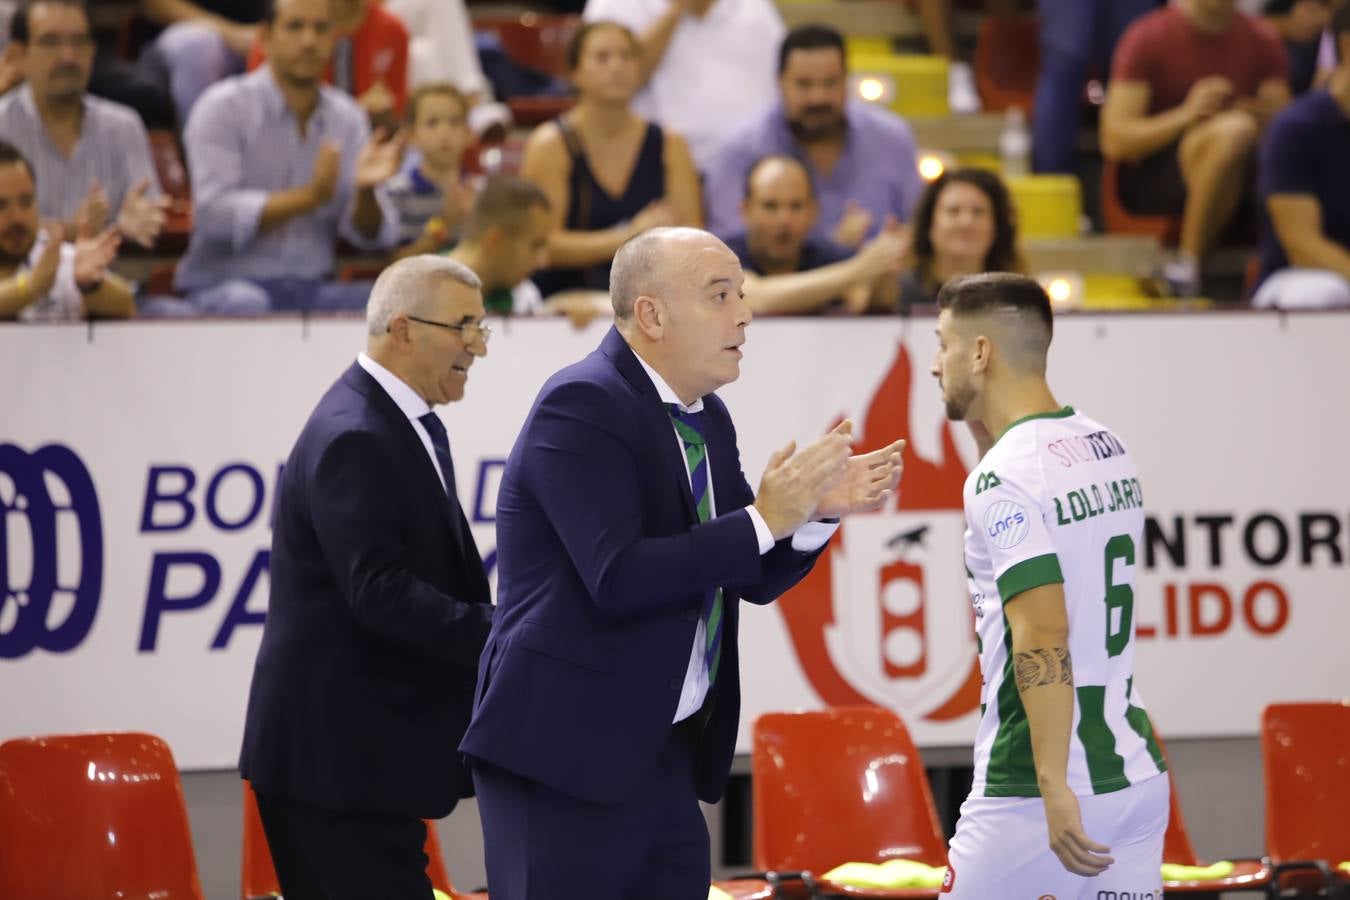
(1001, 850)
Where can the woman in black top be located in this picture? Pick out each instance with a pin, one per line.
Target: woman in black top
(608, 173)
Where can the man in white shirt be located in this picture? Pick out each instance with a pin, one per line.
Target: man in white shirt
(707, 64)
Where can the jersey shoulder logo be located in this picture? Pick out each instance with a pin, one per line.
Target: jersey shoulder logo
(1006, 524)
(985, 481)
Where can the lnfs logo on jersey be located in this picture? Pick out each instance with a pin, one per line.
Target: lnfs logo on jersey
(51, 550)
(891, 584)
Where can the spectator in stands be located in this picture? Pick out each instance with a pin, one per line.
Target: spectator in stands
(201, 42)
(369, 59)
(1303, 25)
(789, 272)
(441, 45)
(44, 278)
(90, 157)
(265, 235)
(432, 195)
(861, 157)
(1192, 87)
(1304, 185)
(608, 173)
(505, 241)
(691, 51)
(964, 225)
(1074, 35)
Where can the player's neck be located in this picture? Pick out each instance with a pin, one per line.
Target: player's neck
(1016, 400)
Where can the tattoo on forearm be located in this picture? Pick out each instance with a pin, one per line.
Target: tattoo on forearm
(1034, 668)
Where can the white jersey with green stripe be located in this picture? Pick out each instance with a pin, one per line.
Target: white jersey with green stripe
(1057, 500)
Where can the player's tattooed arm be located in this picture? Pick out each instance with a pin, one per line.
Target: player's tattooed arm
(1042, 666)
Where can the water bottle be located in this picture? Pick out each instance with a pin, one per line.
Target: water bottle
(1014, 144)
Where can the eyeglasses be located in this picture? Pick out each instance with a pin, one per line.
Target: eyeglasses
(468, 331)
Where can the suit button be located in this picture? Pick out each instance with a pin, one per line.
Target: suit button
(691, 615)
(675, 684)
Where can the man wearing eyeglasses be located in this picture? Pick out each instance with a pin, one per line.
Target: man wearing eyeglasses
(90, 156)
(379, 606)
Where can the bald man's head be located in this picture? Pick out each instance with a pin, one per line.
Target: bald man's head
(779, 211)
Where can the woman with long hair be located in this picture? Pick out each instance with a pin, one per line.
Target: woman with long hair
(964, 224)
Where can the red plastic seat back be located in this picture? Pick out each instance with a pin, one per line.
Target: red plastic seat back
(1305, 748)
(1119, 220)
(533, 40)
(840, 785)
(1177, 847)
(93, 815)
(258, 876)
(1007, 62)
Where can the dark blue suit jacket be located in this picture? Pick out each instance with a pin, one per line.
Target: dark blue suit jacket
(603, 567)
(378, 612)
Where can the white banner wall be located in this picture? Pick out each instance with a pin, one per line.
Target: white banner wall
(138, 464)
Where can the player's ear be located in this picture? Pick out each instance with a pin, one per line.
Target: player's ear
(981, 348)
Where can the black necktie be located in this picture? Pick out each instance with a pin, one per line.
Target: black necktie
(440, 442)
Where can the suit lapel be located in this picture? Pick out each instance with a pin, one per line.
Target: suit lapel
(669, 453)
(361, 381)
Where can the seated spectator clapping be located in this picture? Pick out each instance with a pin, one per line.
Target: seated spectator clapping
(43, 278)
(282, 166)
(1304, 184)
(608, 173)
(964, 225)
(90, 157)
(789, 272)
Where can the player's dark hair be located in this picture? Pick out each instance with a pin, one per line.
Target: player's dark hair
(993, 292)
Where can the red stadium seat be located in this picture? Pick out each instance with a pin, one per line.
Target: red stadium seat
(93, 815)
(841, 785)
(259, 878)
(1306, 751)
(1007, 62)
(1119, 220)
(537, 42)
(173, 178)
(1248, 874)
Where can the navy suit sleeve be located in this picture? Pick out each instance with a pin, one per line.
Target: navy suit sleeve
(357, 522)
(589, 483)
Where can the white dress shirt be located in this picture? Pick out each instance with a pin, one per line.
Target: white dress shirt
(409, 403)
(806, 539)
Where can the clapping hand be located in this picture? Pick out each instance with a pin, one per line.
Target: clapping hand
(379, 159)
(869, 480)
(141, 217)
(794, 482)
(93, 255)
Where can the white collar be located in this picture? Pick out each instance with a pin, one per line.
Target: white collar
(664, 390)
(405, 398)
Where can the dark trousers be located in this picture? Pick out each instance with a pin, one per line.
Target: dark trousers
(1074, 35)
(320, 854)
(545, 845)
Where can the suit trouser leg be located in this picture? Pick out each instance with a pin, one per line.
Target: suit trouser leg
(545, 845)
(320, 854)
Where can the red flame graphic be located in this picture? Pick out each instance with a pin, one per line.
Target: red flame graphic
(926, 485)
